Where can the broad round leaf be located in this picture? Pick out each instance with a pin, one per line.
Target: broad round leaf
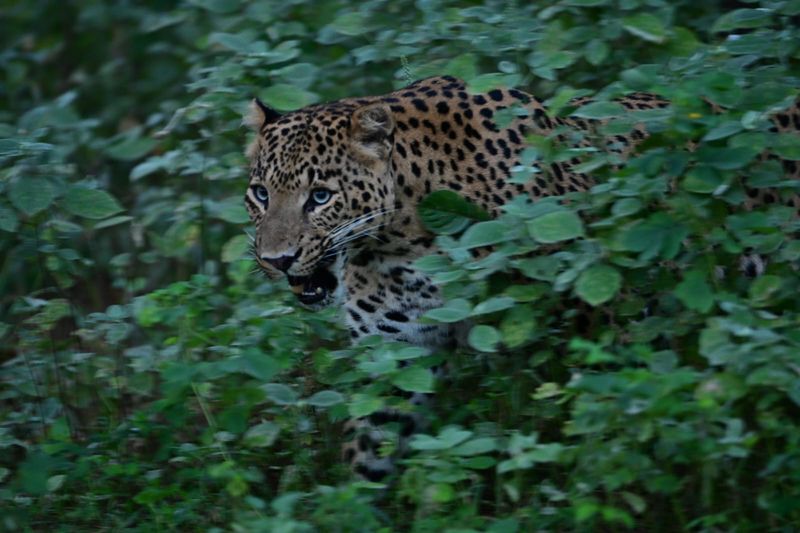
(285, 97)
(31, 194)
(280, 393)
(485, 234)
(646, 26)
(90, 203)
(261, 435)
(447, 212)
(8, 219)
(235, 248)
(556, 226)
(484, 338)
(694, 292)
(414, 379)
(453, 311)
(325, 398)
(598, 284)
(131, 149)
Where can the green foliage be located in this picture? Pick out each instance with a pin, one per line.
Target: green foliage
(620, 371)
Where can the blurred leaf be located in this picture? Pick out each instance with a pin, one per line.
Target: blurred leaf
(261, 435)
(646, 26)
(598, 284)
(555, 227)
(414, 379)
(55, 482)
(235, 249)
(351, 24)
(447, 212)
(261, 366)
(742, 18)
(31, 194)
(90, 203)
(363, 405)
(284, 97)
(484, 338)
(787, 146)
(8, 220)
(325, 398)
(280, 394)
(452, 311)
(131, 148)
(485, 234)
(599, 110)
(694, 292)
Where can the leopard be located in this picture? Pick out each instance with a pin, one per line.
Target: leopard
(334, 190)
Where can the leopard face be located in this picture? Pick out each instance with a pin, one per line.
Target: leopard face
(320, 182)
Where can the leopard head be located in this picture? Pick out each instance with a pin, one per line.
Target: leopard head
(320, 183)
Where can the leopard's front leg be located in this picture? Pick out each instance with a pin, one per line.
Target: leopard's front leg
(387, 298)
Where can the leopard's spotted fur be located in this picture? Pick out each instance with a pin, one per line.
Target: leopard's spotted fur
(374, 159)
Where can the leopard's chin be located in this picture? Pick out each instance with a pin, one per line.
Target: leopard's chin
(316, 288)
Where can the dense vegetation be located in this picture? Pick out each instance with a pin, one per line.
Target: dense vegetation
(150, 380)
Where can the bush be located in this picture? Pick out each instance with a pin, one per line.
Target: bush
(621, 371)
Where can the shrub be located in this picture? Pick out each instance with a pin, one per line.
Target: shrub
(621, 371)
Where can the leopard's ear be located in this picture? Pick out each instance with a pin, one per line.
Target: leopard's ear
(371, 129)
(260, 115)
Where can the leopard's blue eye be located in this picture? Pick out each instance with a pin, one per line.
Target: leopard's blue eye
(261, 194)
(321, 196)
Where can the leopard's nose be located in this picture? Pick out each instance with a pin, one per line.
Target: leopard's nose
(282, 263)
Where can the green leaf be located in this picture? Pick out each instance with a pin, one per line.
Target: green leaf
(485, 234)
(90, 203)
(259, 365)
(726, 158)
(450, 437)
(280, 393)
(764, 288)
(447, 212)
(599, 110)
(363, 405)
(787, 146)
(598, 284)
(597, 51)
(285, 97)
(742, 18)
(113, 221)
(463, 66)
(477, 446)
(325, 398)
(484, 338)
(131, 149)
(626, 206)
(518, 326)
(261, 435)
(54, 482)
(555, 227)
(646, 26)
(585, 3)
(235, 248)
(230, 209)
(414, 379)
(351, 24)
(452, 311)
(147, 167)
(702, 179)
(726, 129)
(8, 219)
(694, 292)
(492, 305)
(31, 195)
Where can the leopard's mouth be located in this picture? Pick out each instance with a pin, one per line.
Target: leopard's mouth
(314, 288)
